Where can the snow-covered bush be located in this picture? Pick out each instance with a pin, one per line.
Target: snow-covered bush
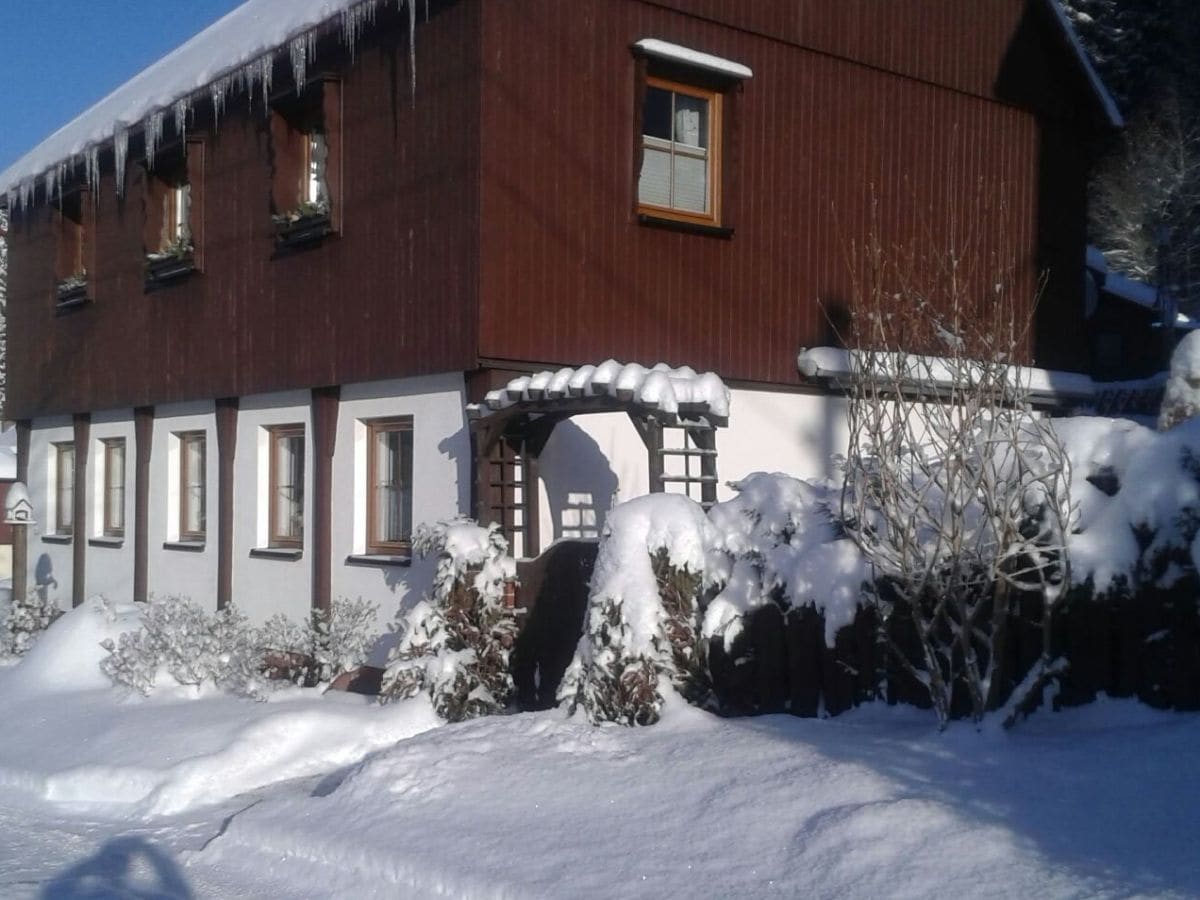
(323, 646)
(181, 642)
(455, 644)
(1181, 399)
(642, 628)
(780, 540)
(24, 621)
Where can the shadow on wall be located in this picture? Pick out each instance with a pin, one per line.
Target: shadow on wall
(43, 577)
(580, 483)
(129, 867)
(457, 449)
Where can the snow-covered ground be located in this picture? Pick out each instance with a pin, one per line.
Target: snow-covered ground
(103, 794)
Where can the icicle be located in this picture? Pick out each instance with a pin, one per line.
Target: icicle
(219, 89)
(92, 164)
(25, 193)
(120, 151)
(354, 22)
(182, 107)
(153, 130)
(299, 51)
(11, 198)
(51, 177)
(412, 43)
(249, 78)
(266, 64)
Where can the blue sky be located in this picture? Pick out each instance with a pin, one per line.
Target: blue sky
(58, 57)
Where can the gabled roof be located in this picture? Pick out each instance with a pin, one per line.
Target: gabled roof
(238, 50)
(1101, 93)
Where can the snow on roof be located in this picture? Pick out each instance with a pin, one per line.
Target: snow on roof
(662, 388)
(236, 50)
(1128, 289)
(687, 56)
(1111, 112)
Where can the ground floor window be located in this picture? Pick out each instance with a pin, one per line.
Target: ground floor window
(389, 485)
(114, 487)
(192, 517)
(286, 491)
(64, 487)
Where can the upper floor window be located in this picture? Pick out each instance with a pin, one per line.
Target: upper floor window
(73, 240)
(286, 481)
(172, 218)
(389, 485)
(685, 101)
(681, 155)
(305, 154)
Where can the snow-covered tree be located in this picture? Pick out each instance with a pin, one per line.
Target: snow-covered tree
(455, 644)
(23, 621)
(956, 491)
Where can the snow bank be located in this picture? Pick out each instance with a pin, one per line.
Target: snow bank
(1181, 400)
(779, 535)
(286, 745)
(67, 656)
(660, 387)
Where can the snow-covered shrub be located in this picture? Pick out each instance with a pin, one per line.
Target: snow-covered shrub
(324, 645)
(24, 621)
(181, 642)
(455, 644)
(1181, 399)
(780, 540)
(641, 632)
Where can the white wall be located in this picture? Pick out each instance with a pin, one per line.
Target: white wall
(188, 573)
(594, 461)
(263, 587)
(109, 563)
(50, 563)
(442, 472)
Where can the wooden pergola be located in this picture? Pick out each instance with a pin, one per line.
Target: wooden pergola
(509, 431)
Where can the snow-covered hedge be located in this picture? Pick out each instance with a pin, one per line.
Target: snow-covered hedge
(23, 622)
(641, 632)
(178, 642)
(319, 648)
(455, 644)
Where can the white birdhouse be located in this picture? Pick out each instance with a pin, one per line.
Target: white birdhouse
(17, 508)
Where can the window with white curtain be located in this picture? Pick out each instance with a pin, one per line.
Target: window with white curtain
(680, 152)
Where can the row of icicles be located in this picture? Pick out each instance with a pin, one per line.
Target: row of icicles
(254, 74)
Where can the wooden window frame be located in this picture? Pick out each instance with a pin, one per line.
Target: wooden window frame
(64, 512)
(74, 228)
(275, 539)
(186, 438)
(376, 427)
(716, 125)
(110, 529)
(293, 122)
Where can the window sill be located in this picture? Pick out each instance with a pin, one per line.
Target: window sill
(377, 559)
(168, 270)
(56, 538)
(302, 233)
(188, 546)
(285, 553)
(106, 541)
(669, 224)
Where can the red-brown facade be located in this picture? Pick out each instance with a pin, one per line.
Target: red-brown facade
(488, 217)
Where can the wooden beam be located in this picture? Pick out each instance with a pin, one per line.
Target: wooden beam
(326, 402)
(20, 575)
(227, 418)
(143, 438)
(79, 523)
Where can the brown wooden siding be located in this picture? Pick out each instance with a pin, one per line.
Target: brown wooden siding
(394, 294)
(569, 275)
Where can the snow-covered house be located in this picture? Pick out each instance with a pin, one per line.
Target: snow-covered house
(254, 291)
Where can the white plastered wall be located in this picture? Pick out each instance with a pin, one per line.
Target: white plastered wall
(50, 561)
(176, 572)
(109, 560)
(592, 462)
(264, 586)
(442, 470)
